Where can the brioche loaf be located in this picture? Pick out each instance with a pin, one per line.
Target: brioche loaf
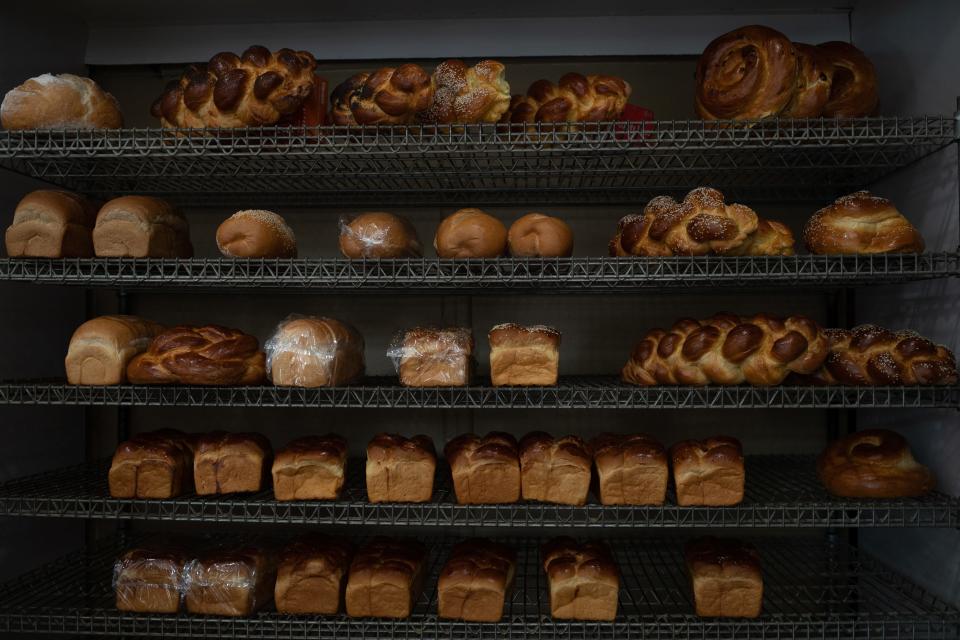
(230, 463)
(428, 357)
(314, 352)
(873, 463)
(52, 224)
(726, 578)
(708, 472)
(155, 465)
(486, 470)
(524, 356)
(631, 469)
(311, 575)
(475, 581)
(386, 578)
(583, 580)
(400, 469)
(310, 468)
(554, 469)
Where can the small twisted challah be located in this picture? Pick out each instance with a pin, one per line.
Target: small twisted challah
(465, 94)
(576, 98)
(392, 95)
(255, 89)
(726, 350)
(207, 355)
(771, 238)
(871, 355)
(341, 97)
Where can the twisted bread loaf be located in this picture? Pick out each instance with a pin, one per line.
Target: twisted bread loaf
(255, 89)
(576, 98)
(727, 350)
(771, 238)
(861, 223)
(874, 463)
(465, 94)
(747, 74)
(871, 355)
(853, 89)
(342, 96)
(207, 355)
(814, 78)
(390, 95)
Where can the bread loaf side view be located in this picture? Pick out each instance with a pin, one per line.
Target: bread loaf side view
(386, 578)
(476, 581)
(59, 101)
(52, 224)
(155, 465)
(873, 463)
(100, 349)
(141, 227)
(312, 575)
(583, 579)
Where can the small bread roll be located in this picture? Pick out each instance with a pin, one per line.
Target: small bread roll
(470, 233)
(256, 234)
(62, 101)
(538, 236)
(378, 234)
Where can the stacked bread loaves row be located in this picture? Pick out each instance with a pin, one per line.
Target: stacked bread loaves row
(385, 578)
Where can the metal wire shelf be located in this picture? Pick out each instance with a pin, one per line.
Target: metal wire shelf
(811, 590)
(781, 491)
(433, 274)
(594, 162)
(572, 392)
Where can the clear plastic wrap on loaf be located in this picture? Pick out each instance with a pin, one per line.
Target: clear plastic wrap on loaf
(310, 351)
(150, 579)
(377, 234)
(432, 357)
(230, 581)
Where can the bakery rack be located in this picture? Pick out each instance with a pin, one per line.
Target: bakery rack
(571, 392)
(780, 160)
(781, 492)
(813, 589)
(497, 275)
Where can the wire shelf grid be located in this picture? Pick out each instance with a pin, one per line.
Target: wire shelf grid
(781, 491)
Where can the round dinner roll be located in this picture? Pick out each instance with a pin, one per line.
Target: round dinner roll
(62, 101)
(256, 234)
(470, 233)
(377, 234)
(538, 236)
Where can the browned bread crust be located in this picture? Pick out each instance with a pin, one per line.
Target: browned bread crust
(230, 462)
(631, 469)
(583, 579)
(475, 581)
(708, 472)
(861, 223)
(312, 574)
(486, 470)
(726, 578)
(386, 578)
(52, 224)
(310, 468)
(555, 469)
(524, 355)
(153, 465)
(873, 463)
(400, 469)
(853, 87)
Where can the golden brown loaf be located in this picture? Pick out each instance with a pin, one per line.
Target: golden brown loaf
(861, 223)
(470, 233)
(727, 350)
(310, 468)
(230, 581)
(873, 463)
(389, 96)
(575, 98)
(747, 74)
(708, 472)
(314, 352)
(872, 355)
(155, 465)
(101, 349)
(378, 234)
(475, 581)
(141, 227)
(256, 234)
(631, 469)
(538, 236)
(524, 356)
(726, 578)
(853, 88)
(254, 89)
(429, 357)
(583, 580)
(814, 79)
(207, 355)
(485, 470)
(400, 469)
(464, 94)
(342, 96)
(230, 462)
(771, 238)
(311, 575)
(149, 579)
(52, 224)
(386, 578)
(554, 469)
(62, 101)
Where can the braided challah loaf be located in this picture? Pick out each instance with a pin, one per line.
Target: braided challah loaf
(392, 95)
(727, 350)
(465, 94)
(207, 355)
(341, 98)
(576, 98)
(871, 355)
(255, 89)
(771, 238)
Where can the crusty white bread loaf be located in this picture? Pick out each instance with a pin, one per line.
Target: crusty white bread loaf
(255, 233)
(101, 349)
(63, 101)
(141, 227)
(52, 224)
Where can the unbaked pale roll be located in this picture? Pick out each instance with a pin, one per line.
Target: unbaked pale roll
(874, 463)
(52, 224)
(470, 233)
(311, 351)
(256, 234)
(861, 223)
(377, 234)
(101, 349)
(63, 101)
(536, 235)
(141, 227)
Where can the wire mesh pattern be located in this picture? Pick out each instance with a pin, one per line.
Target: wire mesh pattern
(781, 491)
(432, 274)
(572, 392)
(811, 590)
(591, 162)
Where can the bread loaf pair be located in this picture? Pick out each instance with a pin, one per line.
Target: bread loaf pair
(473, 233)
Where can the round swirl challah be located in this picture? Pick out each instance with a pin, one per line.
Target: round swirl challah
(747, 74)
(861, 223)
(873, 463)
(392, 96)
(727, 350)
(207, 355)
(814, 78)
(853, 89)
(871, 355)
(464, 94)
(576, 98)
(255, 89)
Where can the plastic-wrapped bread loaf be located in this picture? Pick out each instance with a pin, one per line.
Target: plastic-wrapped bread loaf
(101, 349)
(400, 469)
(312, 575)
(52, 224)
(429, 357)
(150, 579)
(309, 351)
(231, 581)
(555, 469)
(377, 234)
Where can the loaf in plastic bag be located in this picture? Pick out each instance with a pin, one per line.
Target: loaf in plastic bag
(307, 351)
(230, 581)
(150, 579)
(431, 357)
(378, 234)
